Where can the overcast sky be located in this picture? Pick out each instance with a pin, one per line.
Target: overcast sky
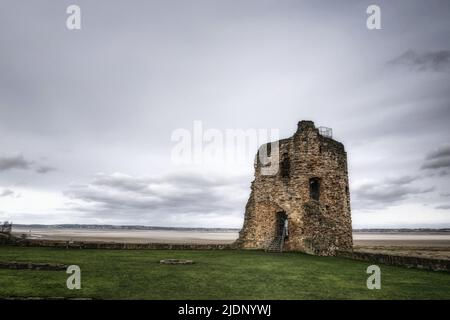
(86, 116)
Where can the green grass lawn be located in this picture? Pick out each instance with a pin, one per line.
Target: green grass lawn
(137, 274)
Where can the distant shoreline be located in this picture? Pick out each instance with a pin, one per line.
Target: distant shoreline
(119, 227)
(140, 227)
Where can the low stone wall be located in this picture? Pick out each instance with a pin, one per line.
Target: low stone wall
(122, 246)
(32, 266)
(405, 261)
(5, 238)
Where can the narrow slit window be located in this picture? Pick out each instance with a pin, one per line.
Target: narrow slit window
(314, 188)
(285, 167)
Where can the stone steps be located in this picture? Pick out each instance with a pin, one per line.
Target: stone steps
(276, 245)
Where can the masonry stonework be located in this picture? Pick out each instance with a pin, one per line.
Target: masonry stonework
(310, 190)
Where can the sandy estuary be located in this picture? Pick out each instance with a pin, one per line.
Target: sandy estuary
(423, 244)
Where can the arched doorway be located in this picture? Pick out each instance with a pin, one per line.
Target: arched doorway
(277, 243)
(281, 224)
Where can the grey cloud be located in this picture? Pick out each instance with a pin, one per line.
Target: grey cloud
(6, 193)
(18, 161)
(443, 207)
(401, 180)
(437, 164)
(14, 161)
(121, 182)
(180, 179)
(435, 61)
(45, 169)
(437, 159)
(388, 192)
(443, 151)
(182, 193)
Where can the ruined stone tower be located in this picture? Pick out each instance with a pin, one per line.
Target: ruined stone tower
(304, 205)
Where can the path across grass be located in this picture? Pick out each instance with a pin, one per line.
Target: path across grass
(137, 274)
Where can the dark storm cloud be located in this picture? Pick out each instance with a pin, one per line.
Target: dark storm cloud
(14, 161)
(387, 192)
(435, 61)
(438, 159)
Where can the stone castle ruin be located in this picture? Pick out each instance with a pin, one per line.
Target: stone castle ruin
(305, 204)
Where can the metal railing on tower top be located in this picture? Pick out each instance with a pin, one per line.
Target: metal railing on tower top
(326, 132)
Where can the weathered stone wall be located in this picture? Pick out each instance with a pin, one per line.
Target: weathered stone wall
(315, 226)
(33, 266)
(121, 246)
(393, 260)
(6, 238)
